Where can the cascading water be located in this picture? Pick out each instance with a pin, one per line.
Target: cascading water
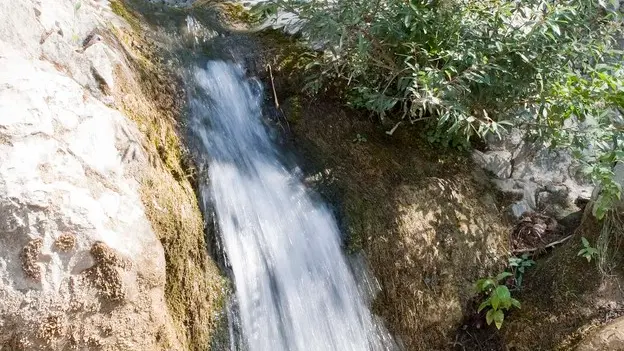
(293, 286)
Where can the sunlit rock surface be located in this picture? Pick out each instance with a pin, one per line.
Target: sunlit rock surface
(80, 266)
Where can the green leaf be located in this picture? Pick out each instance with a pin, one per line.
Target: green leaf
(585, 242)
(495, 301)
(484, 284)
(503, 275)
(502, 292)
(599, 212)
(498, 317)
(515, 303)
(489, 317)
(483, 305)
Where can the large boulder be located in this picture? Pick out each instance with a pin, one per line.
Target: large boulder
(427, 222)
(102, 239)
(79, 261)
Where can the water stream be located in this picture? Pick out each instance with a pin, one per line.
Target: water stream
(294, 288)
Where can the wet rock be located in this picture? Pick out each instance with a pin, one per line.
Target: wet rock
(180, 3)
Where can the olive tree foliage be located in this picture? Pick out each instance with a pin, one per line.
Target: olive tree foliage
(468, 68)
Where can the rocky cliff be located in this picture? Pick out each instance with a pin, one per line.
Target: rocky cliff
(102, 243)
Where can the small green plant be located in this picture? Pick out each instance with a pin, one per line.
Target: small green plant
(518, 266)
(587, 251)
(360, 138)
(75, 37)
(497, 298)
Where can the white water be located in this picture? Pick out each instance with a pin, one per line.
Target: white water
(294, 288)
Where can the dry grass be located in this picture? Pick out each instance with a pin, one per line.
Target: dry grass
(150, 96)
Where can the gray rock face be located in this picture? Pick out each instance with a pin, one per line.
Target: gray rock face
(539, 179)
(496, 162)
(80, 266)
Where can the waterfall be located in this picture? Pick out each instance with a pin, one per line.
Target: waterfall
(294, 288)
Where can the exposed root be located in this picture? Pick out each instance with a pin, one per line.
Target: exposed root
(609, 242)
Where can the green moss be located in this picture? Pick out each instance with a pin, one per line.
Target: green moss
(118, 7)
(194, 288)
(236, 13)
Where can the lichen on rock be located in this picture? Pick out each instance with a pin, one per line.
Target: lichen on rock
(104, 273)
(65, 242)
(30, 256)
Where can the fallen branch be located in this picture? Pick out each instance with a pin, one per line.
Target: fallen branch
(391, 131)
(554, 243)
(273, 86)
(277, 104)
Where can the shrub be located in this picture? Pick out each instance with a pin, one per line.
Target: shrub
(468, 68)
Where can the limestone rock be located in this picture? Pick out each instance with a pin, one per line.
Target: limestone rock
(539, 178)
(80, 265)
(607, 338)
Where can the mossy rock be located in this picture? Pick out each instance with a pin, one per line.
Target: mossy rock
(150, 95)
(428, 227)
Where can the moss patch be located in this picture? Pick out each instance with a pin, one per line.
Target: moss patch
(235, 13)
(151, 96)
(120, 10)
